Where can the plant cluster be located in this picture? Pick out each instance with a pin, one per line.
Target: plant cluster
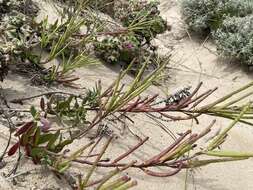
(79, 114)
(26, 7)
(143, 23)
(229, 22)
(123, 48)
(234, 38)
(143, 18)
(60, 118)
(64, 40)
(207, 15)
(17, 32)
(22, 34)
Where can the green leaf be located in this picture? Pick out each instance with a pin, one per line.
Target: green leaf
(45, 138)
(200, 163)
(61, 145)
(63, 168)
(37, 136)
(54, 138)
(33, 111)
(37, 152)
(231, 154)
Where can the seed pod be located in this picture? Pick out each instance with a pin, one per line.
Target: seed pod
(13, 149)
(42, 104)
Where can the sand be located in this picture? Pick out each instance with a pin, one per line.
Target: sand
(193, 60)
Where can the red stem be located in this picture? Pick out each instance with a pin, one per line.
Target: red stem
(121, 157)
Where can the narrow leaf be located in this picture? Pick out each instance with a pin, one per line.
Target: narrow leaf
(51, 142)
(33, 111)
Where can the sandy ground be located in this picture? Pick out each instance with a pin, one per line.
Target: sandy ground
(193, 61)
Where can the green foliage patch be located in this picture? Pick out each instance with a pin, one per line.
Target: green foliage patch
(228, 21)
(143, 17)
(207, 15)
(143, 23)
(235, 38)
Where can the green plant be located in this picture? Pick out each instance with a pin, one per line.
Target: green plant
(123, 45)
(37, 139)
(79, 114)
(142, 22)
(141, 17)
(27, 7)
(206, 15)
(60, 39)
(123, 48)
(60, 118)
(234, 39)
(62, 72)
(18, 32)
(24, 34)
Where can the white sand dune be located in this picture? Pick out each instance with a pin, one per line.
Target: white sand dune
(194, 60)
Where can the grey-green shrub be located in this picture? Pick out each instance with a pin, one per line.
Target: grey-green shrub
(205, 15)
(234, 38)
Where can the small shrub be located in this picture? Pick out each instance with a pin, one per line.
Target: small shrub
(205, 15)
(234, 38)
(27, 7)
(21, 35)
(143, 22)
(17, 31)
(123, 48)
(144, 17)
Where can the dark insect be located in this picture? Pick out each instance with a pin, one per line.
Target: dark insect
(103, 130)
(177, 97)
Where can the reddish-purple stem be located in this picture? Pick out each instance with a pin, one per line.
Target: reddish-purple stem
(121, 157)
